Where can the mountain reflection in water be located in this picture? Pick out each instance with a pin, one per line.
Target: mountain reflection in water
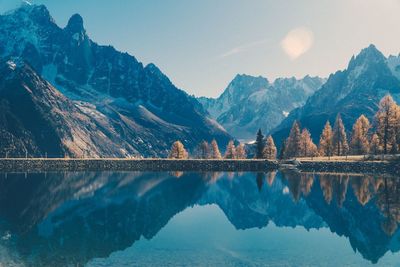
(63, 219)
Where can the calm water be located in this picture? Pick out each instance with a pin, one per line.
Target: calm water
(199, 219)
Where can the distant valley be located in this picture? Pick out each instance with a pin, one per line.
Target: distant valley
(250, 103)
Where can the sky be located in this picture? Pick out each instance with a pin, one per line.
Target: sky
(202, 45)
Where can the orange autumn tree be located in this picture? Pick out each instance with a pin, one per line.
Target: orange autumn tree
(386, 121)
(375, 145)
(230, 152)
(241, 152)
(178, 151)
(325, 141)
(307, 146)
(293, 142)
(215, 153)
(339, 138)
(359, 138)
(270, 149)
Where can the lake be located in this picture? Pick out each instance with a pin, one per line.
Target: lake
(283, 218)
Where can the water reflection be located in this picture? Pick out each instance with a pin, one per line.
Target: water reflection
(59, 219)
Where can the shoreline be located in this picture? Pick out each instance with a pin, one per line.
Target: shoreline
(376, 167)
(202, 165)
(115, 164)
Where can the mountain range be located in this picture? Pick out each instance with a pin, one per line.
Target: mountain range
(250, 103)
(351, 92)
(62, 94)
(79, 98)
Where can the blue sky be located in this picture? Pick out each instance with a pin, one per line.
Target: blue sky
(202, 45)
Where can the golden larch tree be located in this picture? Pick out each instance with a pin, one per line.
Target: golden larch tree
(178, 151)
(339, 139)
(215, 153)
(241, 152)
(359, 138)
(386, 122)
(308, 148)
(325, 141)
(397, 130)
(270, 149)
(230, 152)
(375, 147)
(293, 142)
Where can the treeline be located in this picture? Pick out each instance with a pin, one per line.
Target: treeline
(207, 150)
(382, 136)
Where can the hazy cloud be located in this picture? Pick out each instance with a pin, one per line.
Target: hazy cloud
(243, 48)
(297, 42)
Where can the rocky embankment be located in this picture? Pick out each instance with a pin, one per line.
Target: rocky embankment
(253, 165)
(349, 166)
(31, 165)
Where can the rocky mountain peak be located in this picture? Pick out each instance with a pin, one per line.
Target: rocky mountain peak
(153, 69)
(37, 13)
(244, 79)
(75, 28)
(244, 85)
(83, 76)
(75, 24)
(368, 56)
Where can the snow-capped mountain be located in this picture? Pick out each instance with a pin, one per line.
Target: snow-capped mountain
(354, 91)
(250, 103)
(134, 104)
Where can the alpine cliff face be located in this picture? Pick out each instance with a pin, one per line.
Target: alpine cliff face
(250, 103)
(352, 92)
(136, 107)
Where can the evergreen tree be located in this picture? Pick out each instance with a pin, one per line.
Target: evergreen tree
(359, 138)
(375, 145)
(386, 123)
(241, 152)
(339, 140)
(325, 141)
(270, 149)
(178, 151)
(230, 152)
(215, 154)
(293, 142)
(259, 145)
(282, 150)
(308, 148)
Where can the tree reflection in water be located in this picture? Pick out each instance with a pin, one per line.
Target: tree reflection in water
(111, 211)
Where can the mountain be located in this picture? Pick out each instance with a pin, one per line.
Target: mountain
(250, 103)
(136, 107)
(354, 91)
(37, 118)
